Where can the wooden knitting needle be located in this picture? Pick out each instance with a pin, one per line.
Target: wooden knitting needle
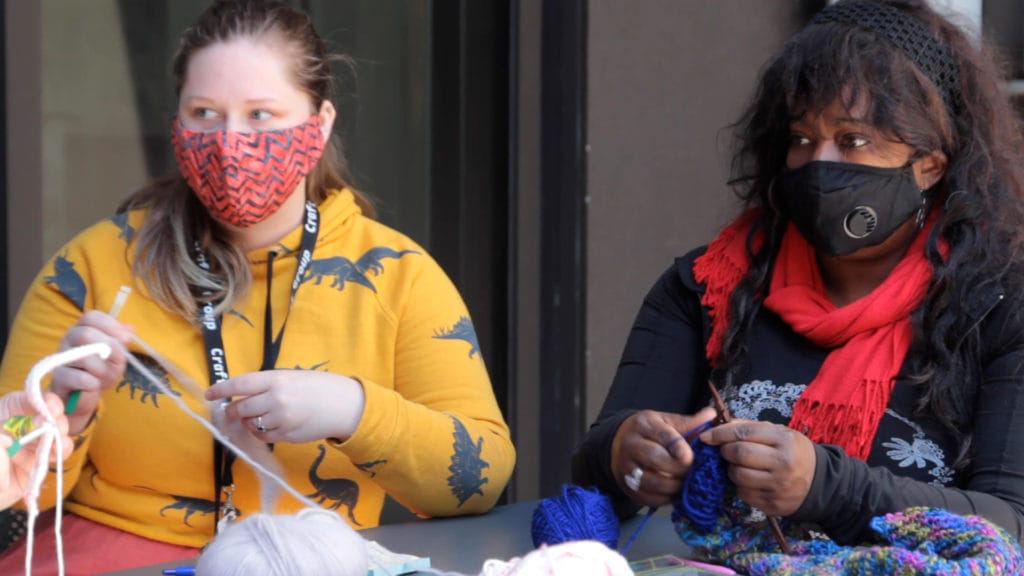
(723, 417)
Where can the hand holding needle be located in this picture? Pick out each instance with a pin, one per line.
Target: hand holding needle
(724, 417)
(115, 309)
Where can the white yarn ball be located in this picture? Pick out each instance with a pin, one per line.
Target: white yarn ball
(313, 542)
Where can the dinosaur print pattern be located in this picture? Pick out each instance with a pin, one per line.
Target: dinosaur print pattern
(467, 466)
(316, 366)
(341, 490)
(68, 281)
(121, 221)
(365, 466)
(190, 505)
(135, 381)
(461, 330)
(341, 270)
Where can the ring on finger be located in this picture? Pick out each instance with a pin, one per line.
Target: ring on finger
(259, 424)
(634, 478)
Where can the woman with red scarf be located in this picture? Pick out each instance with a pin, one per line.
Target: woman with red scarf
(862, 316)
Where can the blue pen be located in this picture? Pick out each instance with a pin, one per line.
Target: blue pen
(180, 571)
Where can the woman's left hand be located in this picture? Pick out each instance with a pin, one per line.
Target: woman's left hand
(293, 405)
(771, 465)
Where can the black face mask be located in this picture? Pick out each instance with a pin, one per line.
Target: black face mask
(841, 207)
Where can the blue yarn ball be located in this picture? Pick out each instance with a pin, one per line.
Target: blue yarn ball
(578, 514)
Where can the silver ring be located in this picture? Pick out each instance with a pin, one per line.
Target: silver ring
(634, 478)
(259, 424)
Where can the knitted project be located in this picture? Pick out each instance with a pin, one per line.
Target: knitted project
(703, 490)
(922, 541)
(587, 514)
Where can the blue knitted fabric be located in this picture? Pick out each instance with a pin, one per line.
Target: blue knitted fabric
(703, 489)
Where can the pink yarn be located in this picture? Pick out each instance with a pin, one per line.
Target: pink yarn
(566, 559)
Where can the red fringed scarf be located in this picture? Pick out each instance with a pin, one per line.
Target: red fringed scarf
(869, 338)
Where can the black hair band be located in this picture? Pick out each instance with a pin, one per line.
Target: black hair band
(908, 34)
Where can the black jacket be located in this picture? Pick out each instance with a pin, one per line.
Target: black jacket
(663, 368)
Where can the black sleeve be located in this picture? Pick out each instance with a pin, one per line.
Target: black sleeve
(662, 368)
(846, 493)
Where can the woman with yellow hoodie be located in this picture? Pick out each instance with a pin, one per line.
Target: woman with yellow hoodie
(259, 273)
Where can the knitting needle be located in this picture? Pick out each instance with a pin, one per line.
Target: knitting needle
(17, 444)
(115, 309)
(724, 417)
(720, 407)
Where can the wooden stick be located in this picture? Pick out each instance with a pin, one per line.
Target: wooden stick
(723, 417)
(720, 407)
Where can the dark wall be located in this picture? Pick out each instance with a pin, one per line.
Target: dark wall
(666, 78)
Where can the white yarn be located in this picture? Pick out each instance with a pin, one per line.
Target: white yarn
(232, 434)
(221, 437)
(235, 430)
(50, 441)
(313, 542)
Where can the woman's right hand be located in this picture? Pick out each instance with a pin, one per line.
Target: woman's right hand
(652, 442)
(92, 374)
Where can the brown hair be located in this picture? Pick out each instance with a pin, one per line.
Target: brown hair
(176, 219)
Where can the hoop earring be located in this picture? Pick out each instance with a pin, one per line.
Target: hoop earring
(949, 199)
(771, 197)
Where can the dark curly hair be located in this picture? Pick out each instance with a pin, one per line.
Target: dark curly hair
(980, 195)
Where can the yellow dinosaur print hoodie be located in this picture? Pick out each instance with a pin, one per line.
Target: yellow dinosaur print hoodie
(373, 305)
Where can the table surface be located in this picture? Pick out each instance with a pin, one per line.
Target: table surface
(462, 544)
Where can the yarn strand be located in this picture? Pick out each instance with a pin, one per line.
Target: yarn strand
(222, 438)
(48, 443)
(636, 532)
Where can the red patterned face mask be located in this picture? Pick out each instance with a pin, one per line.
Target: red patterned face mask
(244, 177)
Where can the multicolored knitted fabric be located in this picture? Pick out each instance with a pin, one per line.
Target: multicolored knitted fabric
(922, 541)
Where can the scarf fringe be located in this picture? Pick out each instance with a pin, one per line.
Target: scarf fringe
(720, 269)
(826, 421)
